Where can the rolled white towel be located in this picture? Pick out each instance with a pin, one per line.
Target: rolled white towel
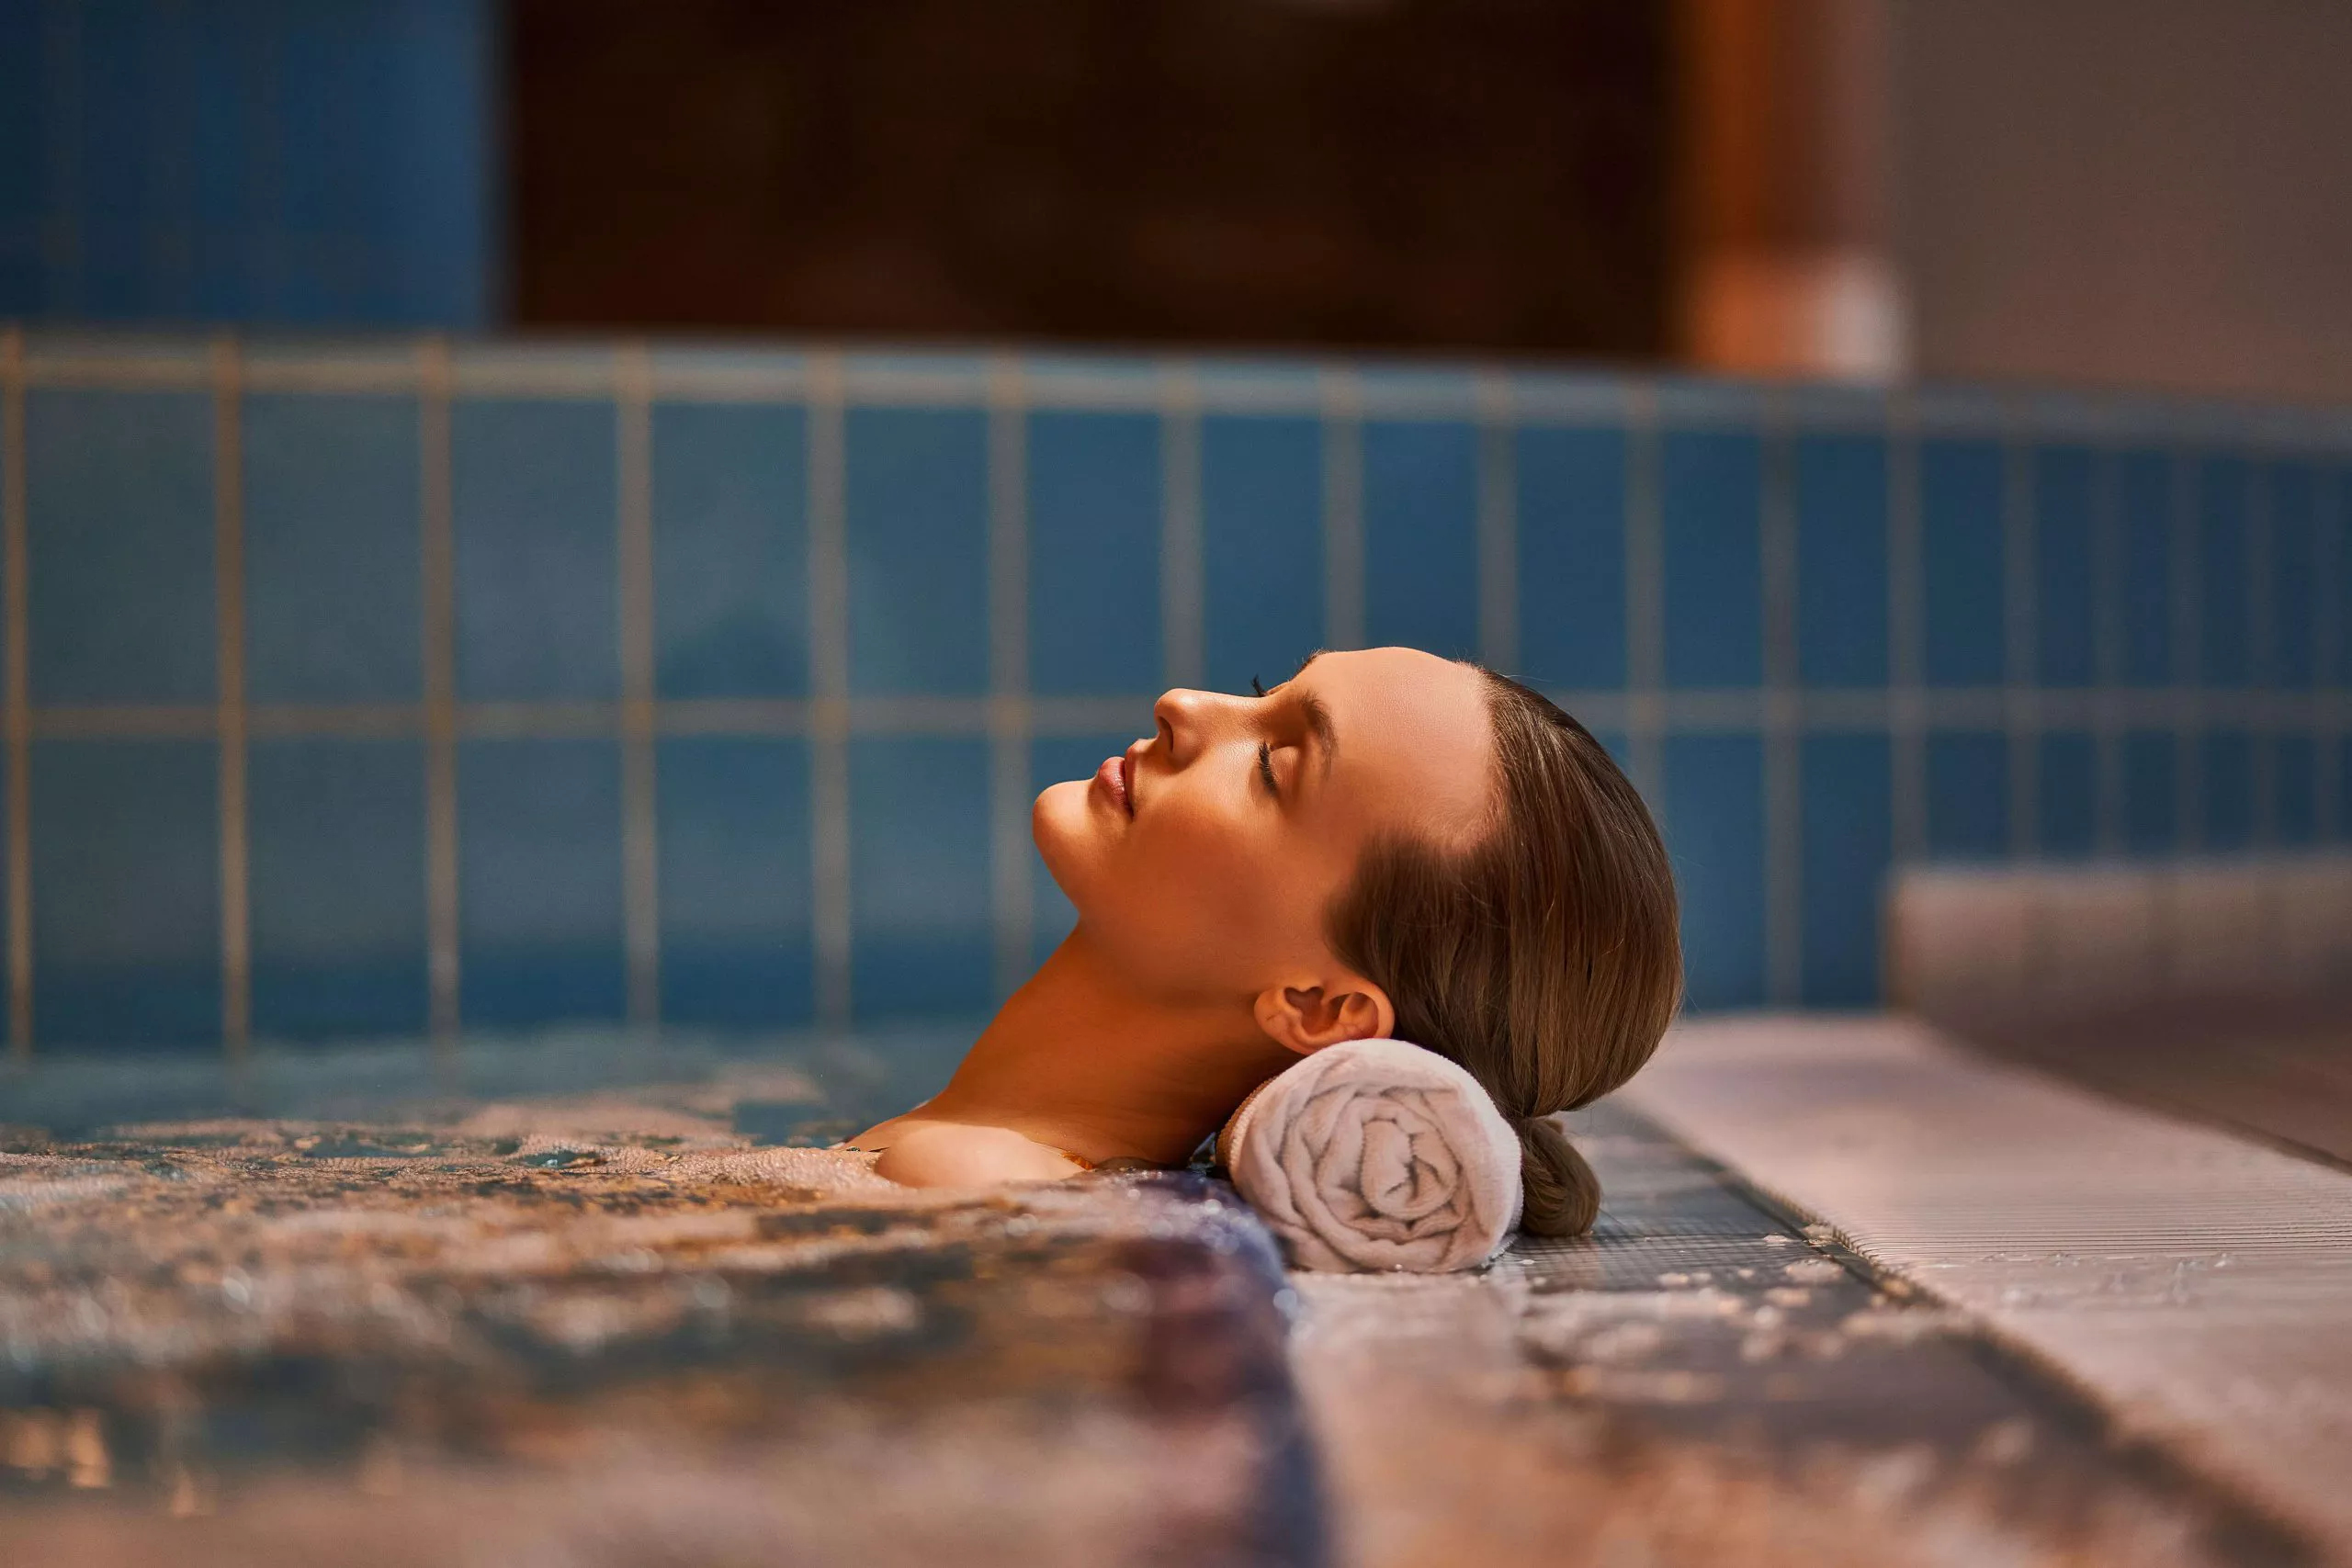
(1377, 1155)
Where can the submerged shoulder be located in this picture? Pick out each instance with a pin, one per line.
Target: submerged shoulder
(944, 1154)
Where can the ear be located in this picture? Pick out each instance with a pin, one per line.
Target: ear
(1304, 1019)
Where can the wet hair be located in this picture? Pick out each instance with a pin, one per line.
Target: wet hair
(1546, 958)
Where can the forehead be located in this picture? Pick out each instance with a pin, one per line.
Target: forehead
(1416, 747)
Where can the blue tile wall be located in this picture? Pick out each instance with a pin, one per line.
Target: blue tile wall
(126, 883)
(338, 924)
(1714, 832)
(918, 551)
(1968, 796)
(1712, 500)
(1420, 536)
(2151, 793)
(535, 499)
(2181, 630)
(1841, 512)
(2226, 783)
(730, 551)
(269, 160)
(333, 583)
(1261, 546)
(919, 876)
(1962, 550)
(1848, 836)
(1095, 524)
(2065, 536)
(2225, 637)
(2294, 761)
(2067, 825)
(539, 882)
(2295, 586)
(736, 897)
(2145, 515)
(1571, 535)
(119, 525)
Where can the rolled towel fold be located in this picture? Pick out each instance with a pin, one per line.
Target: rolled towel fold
(1377, 1155)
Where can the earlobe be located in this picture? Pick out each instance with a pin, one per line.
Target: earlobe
(1304, 1019)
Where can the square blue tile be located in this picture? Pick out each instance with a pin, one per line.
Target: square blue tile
(2151, 793)
(22, 37)
(2292, 657)
(736, 900)
(918, 550)
(539, 923)
(336, 829)
(126, 879)
(922, 940)
(2065, 549)
(2294, 773)
(1848, 828)
(2341, 589)
(1053, 760)
(2342, 833)
(2068, 817)
(1261, 546)
(333, 562)
(730, 551)
(1570, 487)
(2227, 790)
(1714, 825)
(535, 497)
(1968, 796)
(1962, 550)
(120, 538)
(2223, 573)
(1420, 536)
(1712, 499)
(1841, 559)
(2144, 521)
(1095, 489)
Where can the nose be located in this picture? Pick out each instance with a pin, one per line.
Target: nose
(1187, 719)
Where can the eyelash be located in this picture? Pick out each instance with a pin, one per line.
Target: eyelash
(1265, 752)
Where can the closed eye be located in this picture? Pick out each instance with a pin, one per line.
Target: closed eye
(1266, 769)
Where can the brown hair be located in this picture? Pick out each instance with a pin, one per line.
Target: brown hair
(1546, 958)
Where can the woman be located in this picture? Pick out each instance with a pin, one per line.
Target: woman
(1387, 843)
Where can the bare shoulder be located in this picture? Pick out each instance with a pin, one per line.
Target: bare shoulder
(946, 1154)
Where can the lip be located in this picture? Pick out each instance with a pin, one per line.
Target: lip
(1112, 779)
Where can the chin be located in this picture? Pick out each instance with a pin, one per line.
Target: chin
(1063, 829)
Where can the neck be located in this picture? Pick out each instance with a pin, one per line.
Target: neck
(1078, 1059)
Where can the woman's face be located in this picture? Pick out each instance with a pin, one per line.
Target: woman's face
(1201, 861)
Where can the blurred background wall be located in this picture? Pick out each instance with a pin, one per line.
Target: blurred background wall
(390, 680)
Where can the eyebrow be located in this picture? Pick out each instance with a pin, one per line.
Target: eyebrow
(1318, 724)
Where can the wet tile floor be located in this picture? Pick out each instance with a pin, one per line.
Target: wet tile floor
(641, 1327)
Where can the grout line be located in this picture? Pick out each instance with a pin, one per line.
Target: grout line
(1644, 599)
(1497, 526)
(1783, 758)
(2262, 654)
(1685, 710)
(228, 620)
(1010, 891)
(14, 492)
(640, 842)
(1183, 592)
(829, 680)
(1344, 599)
(1905, 631)
(438, 570)
(2022, 568)
(2189, 664)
